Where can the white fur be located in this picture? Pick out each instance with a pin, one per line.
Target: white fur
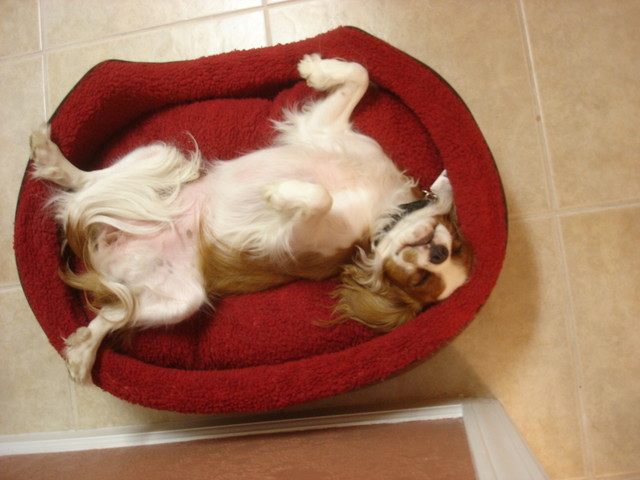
(321, 187)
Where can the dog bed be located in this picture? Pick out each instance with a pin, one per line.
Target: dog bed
(266, 350)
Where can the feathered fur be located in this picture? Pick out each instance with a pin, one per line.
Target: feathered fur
(161, 233)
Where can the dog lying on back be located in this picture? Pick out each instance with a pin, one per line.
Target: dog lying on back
(160, 233)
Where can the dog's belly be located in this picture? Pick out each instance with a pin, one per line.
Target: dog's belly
(162, 269)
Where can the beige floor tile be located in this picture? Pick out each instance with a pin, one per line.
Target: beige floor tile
(179, 42)
(98, 409)
(21, 110)
(476, 46)
(521, 349)
(588, 66)
(517, 350)
(69, 21)
(19, 27)
(34, 391)
(603, 255)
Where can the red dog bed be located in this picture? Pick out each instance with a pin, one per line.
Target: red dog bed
(265, 350)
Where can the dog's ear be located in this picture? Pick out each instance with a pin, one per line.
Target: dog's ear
(382, 308)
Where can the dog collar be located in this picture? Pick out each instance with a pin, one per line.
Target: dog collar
(407, 208)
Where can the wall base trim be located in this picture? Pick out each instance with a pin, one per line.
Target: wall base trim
(497, 449)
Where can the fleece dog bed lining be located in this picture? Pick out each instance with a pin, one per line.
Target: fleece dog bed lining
(266, 350)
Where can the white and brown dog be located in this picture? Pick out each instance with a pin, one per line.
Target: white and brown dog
(161, 234)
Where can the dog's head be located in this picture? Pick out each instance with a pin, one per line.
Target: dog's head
(418, 258)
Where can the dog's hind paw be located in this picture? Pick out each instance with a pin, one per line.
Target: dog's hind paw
(43, 151)
(39, 138)
(49, 162)
(80, 354)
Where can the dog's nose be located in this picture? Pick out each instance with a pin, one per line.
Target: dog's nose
(438, 254)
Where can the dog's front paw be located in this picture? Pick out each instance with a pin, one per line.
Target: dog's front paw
(296, 195)
(324, 74)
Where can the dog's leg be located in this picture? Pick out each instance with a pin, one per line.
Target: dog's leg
(350, 81)
(172, 293)
(298, 197)
(83, 344)
(51, 164)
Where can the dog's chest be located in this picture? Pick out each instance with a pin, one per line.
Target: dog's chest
(241, 210)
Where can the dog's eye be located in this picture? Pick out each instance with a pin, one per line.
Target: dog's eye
(456, 247)
(424, 276)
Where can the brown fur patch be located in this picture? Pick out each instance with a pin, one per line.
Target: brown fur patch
(420, 284)
(461, 249)
(382, 310)
(96, 294)
(409, 255)
(83, 241)
(227, 271)
(402, 295)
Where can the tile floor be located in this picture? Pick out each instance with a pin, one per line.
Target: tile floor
(554, 86)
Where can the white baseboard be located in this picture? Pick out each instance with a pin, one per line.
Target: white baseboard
(497, 449)
(131, 436)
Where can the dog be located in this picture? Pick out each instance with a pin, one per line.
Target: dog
(161, 233)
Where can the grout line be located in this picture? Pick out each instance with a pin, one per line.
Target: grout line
(569, 211)
(19, 57)
(10, 287)
(40, 26)
(619, 476)
(542, 124)
(151, 28)
(288, 2)
(45, 88)
(72, 397)
(574, 351)
(267, 24)
(73, 404)
(43, 65)
(555, 215)
(128, 33)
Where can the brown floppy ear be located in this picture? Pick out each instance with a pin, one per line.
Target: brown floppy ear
(382, 309)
